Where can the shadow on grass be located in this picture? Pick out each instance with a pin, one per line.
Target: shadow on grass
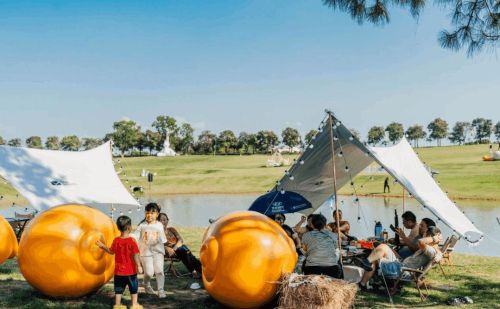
(483, 292)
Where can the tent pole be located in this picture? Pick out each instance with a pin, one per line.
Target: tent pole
(337, 218)
(403, 198)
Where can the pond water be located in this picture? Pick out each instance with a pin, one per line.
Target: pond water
(195, 210)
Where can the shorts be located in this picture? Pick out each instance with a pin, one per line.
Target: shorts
(121, 283)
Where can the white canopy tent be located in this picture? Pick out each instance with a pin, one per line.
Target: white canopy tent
(48, 178)
(312, 174)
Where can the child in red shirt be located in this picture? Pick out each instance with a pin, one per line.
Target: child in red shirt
(127, 262)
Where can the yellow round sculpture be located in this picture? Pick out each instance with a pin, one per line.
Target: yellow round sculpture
(8, 241)
(58, 255)
(243, 255)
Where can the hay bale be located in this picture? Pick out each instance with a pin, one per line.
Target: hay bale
(314, 291)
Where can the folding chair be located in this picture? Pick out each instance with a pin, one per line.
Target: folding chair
(417, 276)
(447, 249)
(171, 267)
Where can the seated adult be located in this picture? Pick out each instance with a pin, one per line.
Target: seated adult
(175, 247)
(301, 230)
(345, 227)
(280, 219)
(383, 254)
(320, 245)
(409, 244)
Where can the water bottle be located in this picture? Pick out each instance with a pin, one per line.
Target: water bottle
(378, 229)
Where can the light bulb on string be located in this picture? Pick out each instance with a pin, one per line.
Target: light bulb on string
(287, 173)
(335, 138)
(278, 183)
(340, 154)
(346, 169)
(291, 177)
(311, 146)
(301, 162)
(282, 191)
(351, 138)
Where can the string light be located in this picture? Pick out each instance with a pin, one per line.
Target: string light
(282, 191)
(291, 177)
(351, 138)
(340, 154)
(301, 162)
(311, 146)
(335, 138)
(347, 169)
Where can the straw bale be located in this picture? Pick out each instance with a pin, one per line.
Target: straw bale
(315, 291)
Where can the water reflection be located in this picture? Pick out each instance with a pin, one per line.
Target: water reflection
(195, 210)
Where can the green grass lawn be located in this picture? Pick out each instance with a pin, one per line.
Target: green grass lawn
(461, 172)
(473, 276)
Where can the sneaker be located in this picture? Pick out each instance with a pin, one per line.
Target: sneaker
(161, 294)
(364, 263)
(149, 290)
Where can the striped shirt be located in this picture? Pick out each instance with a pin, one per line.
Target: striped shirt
(320, 248)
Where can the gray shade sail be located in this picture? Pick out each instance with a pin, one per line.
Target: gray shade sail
(312, 174)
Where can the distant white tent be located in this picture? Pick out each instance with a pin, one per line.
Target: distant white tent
(47, 178)
(312, 174)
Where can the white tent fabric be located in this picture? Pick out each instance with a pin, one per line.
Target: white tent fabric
(403, 164)
(48, 178)
(312, 174)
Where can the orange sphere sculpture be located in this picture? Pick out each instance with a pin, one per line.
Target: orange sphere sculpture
(58, 255)
(243, 255)
(8, 241)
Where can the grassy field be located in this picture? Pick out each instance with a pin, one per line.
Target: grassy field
(473, 276)
(461, 172)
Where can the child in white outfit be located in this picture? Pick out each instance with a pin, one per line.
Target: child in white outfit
(151, 238)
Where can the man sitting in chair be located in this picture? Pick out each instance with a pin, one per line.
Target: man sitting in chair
(174, 247)
(390, 265)
(409, 243)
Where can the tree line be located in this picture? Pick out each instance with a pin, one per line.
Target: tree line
(478, 131)
(129, 138)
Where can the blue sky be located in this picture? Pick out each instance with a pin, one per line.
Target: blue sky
(74, 67)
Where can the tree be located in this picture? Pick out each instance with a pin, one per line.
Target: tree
(459, 132)
(227, 140)
(125, 134)
(34, 142)
(252, 142)
(243, 142)
(266, 140)
(164, 124)
(476, 23)
(438, 129)
(70, 143)
(91, 142)
(310, 136)
(52, 143)
(482, 128)
(186, 139)
(497, 131)
(15, 142)
(152, 140)
(415, 133)
(141, 142)
(206, 142)
(355, 134)
(395, 131)
(2, 141)
(376, 135)
(291, 137)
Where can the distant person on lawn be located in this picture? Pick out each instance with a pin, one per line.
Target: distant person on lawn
(386, 185)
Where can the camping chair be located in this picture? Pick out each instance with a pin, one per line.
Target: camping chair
(417, 276)
(447, 250)
(170, 260)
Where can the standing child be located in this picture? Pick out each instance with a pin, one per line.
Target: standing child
(151, 238)
(127, 262)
